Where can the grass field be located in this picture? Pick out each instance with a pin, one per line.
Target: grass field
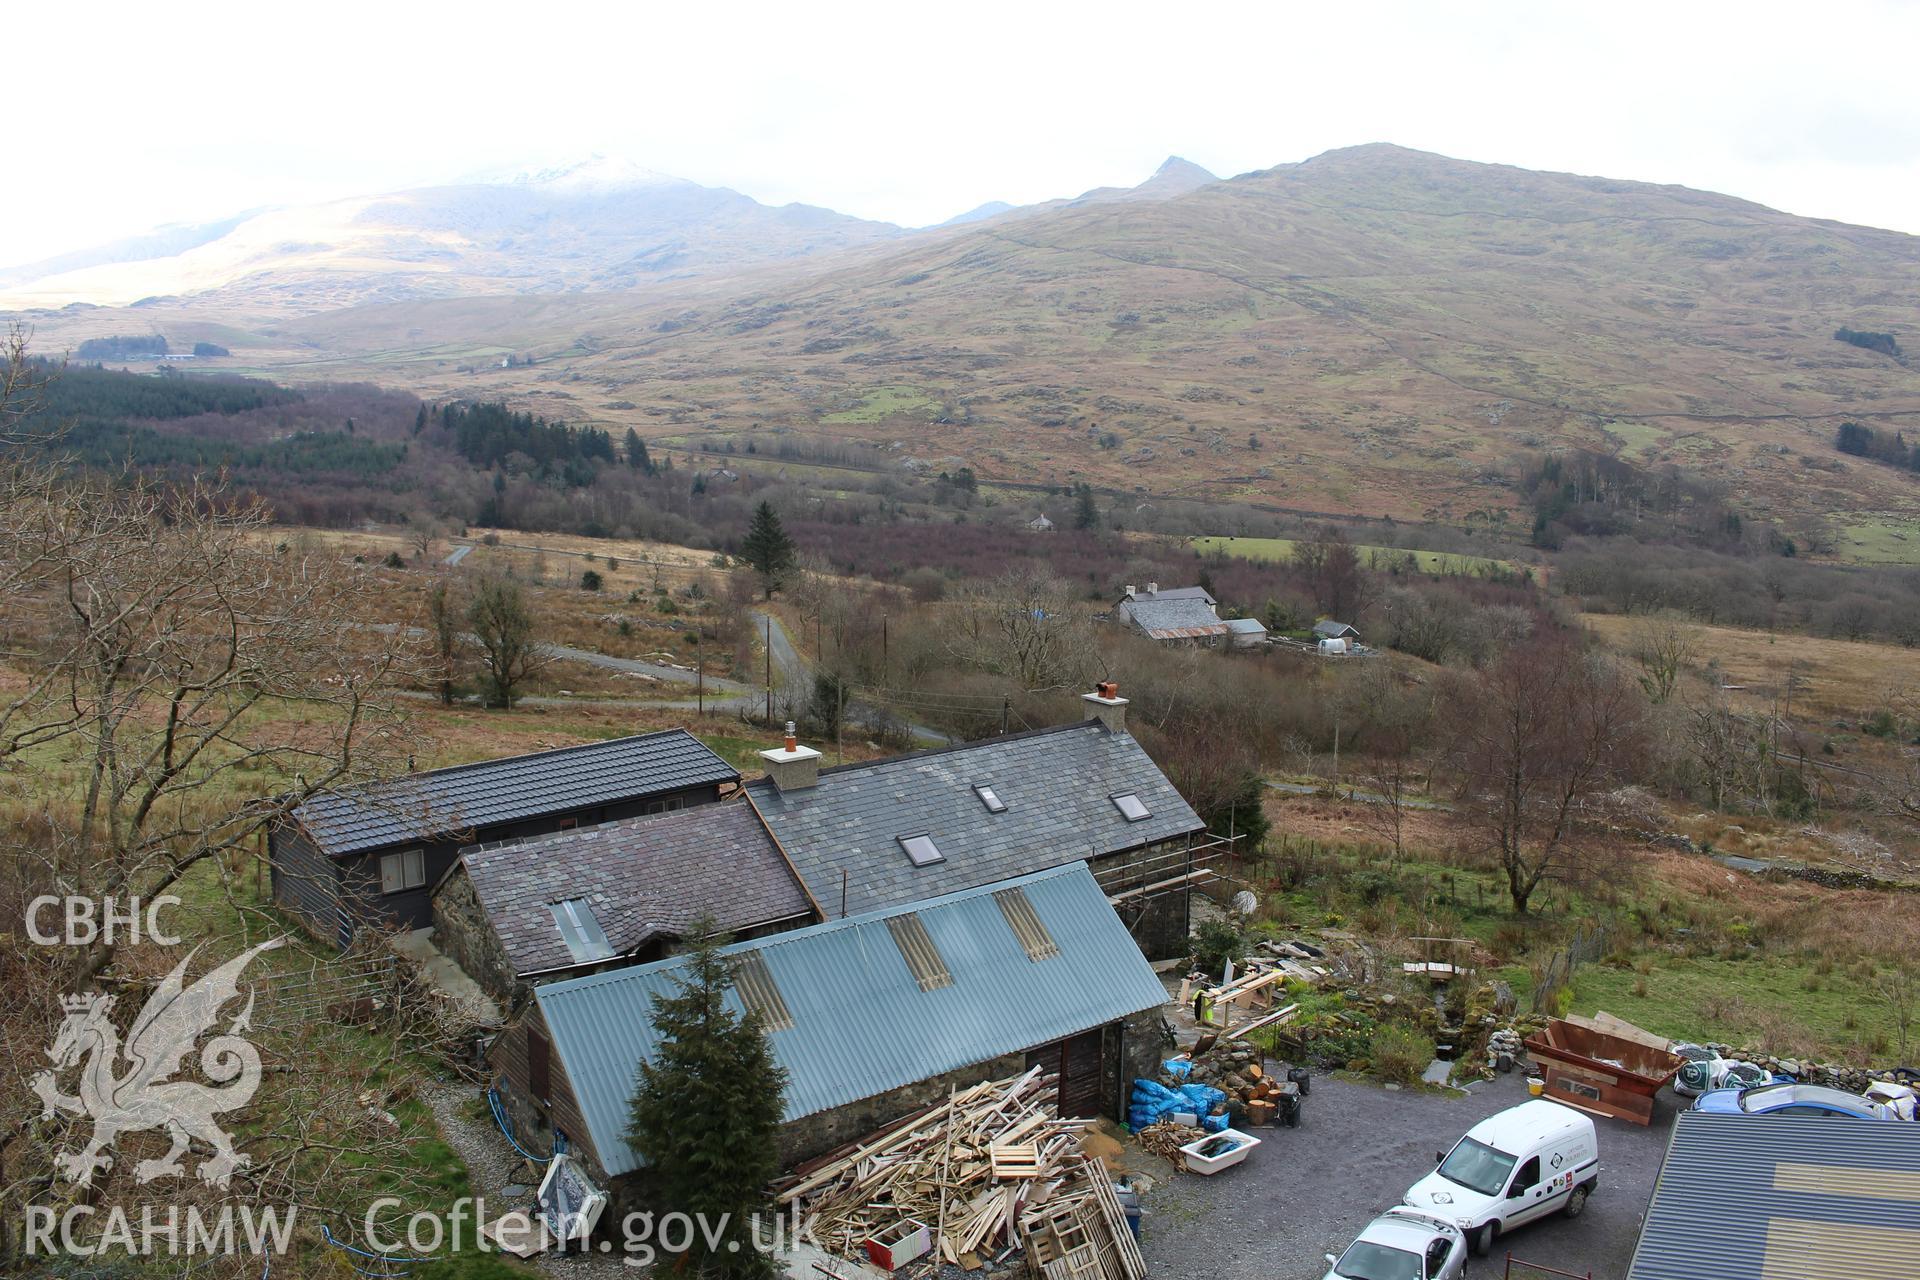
(1437, 563)
(1841, 678)
(882, 403)
(1881, 541)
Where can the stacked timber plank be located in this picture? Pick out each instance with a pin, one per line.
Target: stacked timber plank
(992, 1169)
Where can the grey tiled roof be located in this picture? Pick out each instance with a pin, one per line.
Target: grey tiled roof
(1057, 785)
(1177, 593)
(1333, 630)
(491, 792)
(1246, 626)
(643, 878)
(1159, 615)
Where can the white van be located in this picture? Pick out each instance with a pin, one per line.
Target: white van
(1524, 1163)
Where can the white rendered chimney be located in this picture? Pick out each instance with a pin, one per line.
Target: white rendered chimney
(792, 766)
(1107, 706)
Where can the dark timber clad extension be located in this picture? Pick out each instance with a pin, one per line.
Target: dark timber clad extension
(374, 853)
(1058, 787)
(1807, 1197)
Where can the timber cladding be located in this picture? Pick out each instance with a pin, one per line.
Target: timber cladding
(536, 1091)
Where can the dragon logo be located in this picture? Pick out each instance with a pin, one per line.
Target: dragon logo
(142, 1097)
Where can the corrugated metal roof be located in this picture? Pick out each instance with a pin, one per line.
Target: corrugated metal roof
(1056, 784)
(1784, 1198)
(861, 1023)
(492, 792)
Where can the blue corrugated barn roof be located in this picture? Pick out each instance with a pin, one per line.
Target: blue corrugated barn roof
(490, 792)
(861, 1024)
(1784, 1198)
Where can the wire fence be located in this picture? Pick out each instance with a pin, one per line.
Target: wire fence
(351, 988)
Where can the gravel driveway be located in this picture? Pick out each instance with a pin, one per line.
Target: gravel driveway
(1307, 1192)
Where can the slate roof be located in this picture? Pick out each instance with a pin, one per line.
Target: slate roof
(1331, 630)
(1057, 785)
(1246, 626)
(1175, 593)
(1167, 616)
(1813, 1197)
(642, 877)
(861, 1025)
(491, 792)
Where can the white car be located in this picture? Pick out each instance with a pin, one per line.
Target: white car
(1513, 1168)
(1403, 1244)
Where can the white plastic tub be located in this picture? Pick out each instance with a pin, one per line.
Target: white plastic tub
(1206, 1165)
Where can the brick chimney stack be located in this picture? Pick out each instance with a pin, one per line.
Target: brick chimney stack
(792, 766)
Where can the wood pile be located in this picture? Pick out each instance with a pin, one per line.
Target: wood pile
(1239, 1070)
(1164, 1138)
(992, 1169)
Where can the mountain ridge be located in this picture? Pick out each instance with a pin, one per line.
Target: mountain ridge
(1374, 329)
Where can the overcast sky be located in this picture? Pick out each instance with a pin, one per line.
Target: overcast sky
(914, 112)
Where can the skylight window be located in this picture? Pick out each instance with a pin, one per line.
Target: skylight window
(754, 984)
(585, 940)
(990, 799)
(1130, 807)
(916, 948)
(1026, 924)
(921, 850)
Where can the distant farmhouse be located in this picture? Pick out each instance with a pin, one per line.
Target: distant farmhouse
(371, 855)
(1180, 615)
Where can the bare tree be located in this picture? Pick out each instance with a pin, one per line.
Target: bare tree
(176, 677)
(1664, 648)
(423, 534)
(1541, 732)
(1898, 986)
(1024, 624)
(443, 629)
(172, 651)
(1396, 718)
(1332, 571)
(503, 627)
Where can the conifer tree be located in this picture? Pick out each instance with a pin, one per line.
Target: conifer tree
(637, 456)
(767, 549)
(706, 1116)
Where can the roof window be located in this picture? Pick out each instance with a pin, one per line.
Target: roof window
(1026, 924)
(916, 948)
(1130, 807)
(990, 798)
(585, 940)
(921, 850)
(754, 984)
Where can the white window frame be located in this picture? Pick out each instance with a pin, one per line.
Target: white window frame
(1119, 802)
(989, 797)
(411, 870)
